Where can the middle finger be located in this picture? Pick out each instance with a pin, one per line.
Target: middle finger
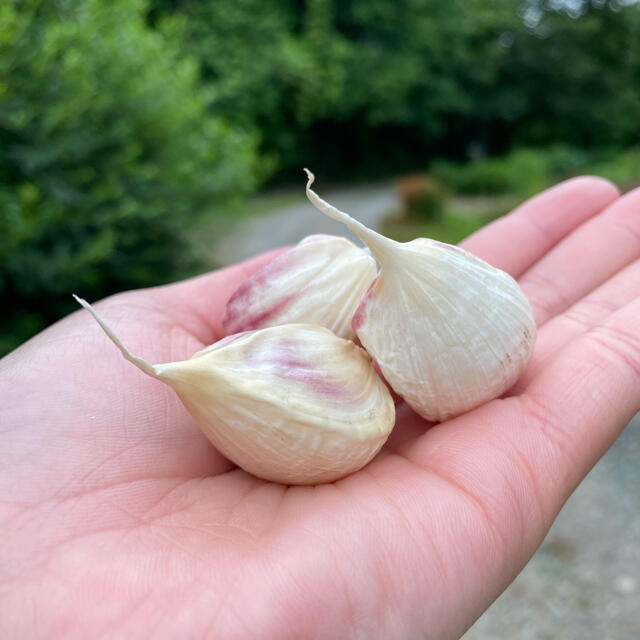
(583, 316)
(589, 256)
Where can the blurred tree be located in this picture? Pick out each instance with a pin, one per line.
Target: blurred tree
(573, 74)
(107, 151)
(356, 75)
(419, 70)
(364, 85)
(120, 120)
(251, 60)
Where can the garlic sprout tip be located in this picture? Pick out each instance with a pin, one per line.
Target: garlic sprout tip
(310, 176)
(141, 363)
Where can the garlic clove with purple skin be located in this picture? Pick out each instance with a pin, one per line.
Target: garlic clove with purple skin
(293, 404)
(447, 330)
(319, 281)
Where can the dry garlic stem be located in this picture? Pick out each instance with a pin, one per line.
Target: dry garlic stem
(321, 281)
(292, 404)
(448, 331)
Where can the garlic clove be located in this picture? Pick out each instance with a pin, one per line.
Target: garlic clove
(293, 404)
(447, 330)
(319, 281)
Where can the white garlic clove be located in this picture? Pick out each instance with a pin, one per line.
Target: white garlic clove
(447, 330)
(293, 404)
(319, 281)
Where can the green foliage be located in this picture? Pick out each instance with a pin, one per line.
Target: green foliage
(123, 121)
(572, 74)
(249, 57)
(422, 196)
(449, 227)
(353, 86)
(107, 153)
(524, 172)
(356, 86)
(623, 168)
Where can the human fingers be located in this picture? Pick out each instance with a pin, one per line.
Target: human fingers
(517, 241)
(583, 316)
(515, 461)
(581, 402)
(586, 258)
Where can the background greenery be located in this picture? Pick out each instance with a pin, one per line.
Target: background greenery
(125, 122)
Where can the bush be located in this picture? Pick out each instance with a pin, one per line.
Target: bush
(422, 196)
(621, 168)
(523, 172)
(395, 81)
(107, 154)
(450, 228)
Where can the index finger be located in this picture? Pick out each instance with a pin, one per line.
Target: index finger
(517, 241)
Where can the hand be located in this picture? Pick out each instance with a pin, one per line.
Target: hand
(119, 519)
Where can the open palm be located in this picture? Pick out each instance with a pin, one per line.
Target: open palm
(119, 519)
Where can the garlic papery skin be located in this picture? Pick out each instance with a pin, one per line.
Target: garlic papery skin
(319, 281)
(447, 330)
(293, 404)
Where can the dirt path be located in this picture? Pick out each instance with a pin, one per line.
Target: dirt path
(369, 204)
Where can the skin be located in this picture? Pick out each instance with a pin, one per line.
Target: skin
(119, 519)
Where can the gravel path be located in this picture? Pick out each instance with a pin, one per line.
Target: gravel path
(251, 236)
(584, 581)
